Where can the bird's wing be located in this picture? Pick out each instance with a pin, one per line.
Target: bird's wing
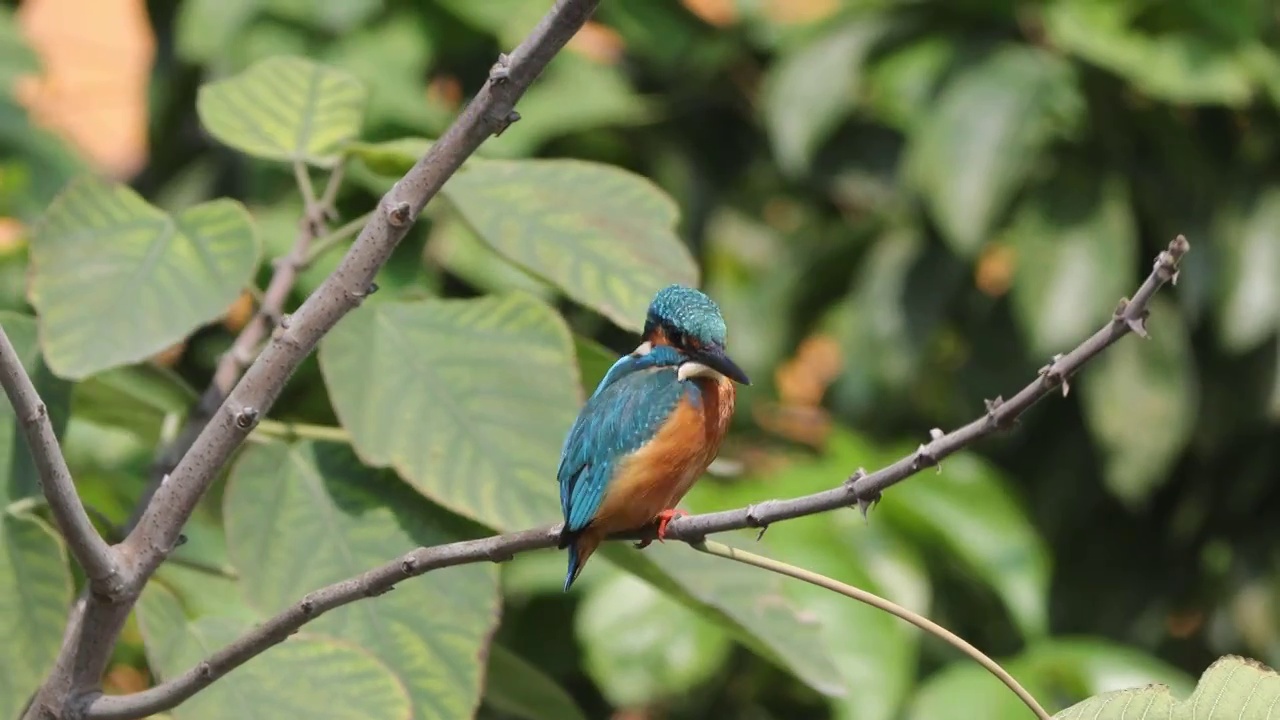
(614, 423)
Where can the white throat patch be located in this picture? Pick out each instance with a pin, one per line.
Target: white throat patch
(696, 369)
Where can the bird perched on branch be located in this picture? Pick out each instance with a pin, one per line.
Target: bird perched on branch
(651, 427)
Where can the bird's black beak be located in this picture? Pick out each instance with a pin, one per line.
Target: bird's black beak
(715, 358)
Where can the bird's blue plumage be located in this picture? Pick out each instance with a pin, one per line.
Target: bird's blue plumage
(629, 406)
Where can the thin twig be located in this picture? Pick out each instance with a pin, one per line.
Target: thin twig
(101, 564)
(875, 601)
(692, 529)
(221, 425)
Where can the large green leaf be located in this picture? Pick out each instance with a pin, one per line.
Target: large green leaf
(115, 280)
(1249, 306)
(1076, 245)
(1142, 383)
(744, 600)
(968, 510)
(1233, 688)
(18, 475)
(874, 652)
(34, 603)
(520, 689)
(469, 400)
(1179, 65)
(603, 235)
(642, 646)
(303, 677)
(986, 134)
(810, 91)
(285, 108)
(302, 516)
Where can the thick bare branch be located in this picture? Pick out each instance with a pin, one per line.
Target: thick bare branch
(100, 563)
(859, 490)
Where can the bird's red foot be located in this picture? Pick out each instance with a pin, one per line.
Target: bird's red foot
(667, 516)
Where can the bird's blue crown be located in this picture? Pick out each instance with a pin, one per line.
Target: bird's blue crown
(688, 312)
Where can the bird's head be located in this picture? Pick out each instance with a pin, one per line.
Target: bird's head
(690, 322)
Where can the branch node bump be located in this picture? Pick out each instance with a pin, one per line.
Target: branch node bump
(399, 214)
(285, 321)
(247, 418)
(373, 288)
(408, 564)
(993, 414)
(179, 542)
(206, 671)
(500, 71)
(936, 433)
(924, 458)
(754, 520)
(307, 606)
(505, 122)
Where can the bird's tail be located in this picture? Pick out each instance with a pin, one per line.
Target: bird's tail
(580, 549)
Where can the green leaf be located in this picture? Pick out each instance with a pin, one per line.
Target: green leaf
(518, 688)
(314, 509)
(964, 688)
(985, 135)
(18, 476)
(904, 79)
(456, 248)
(33, 606)
(603, 235)
(594, 361)
(641, 646)
(285, 108)
(1076, 244)
(115, 280)
(469, 400)
(810, 91)
(16, 57)
(1142, 383)
(1233, 688)
(303, 677)
(391, 158)
(390, 59)
(745, 601)
(138, 398)
(1249, 243)
(1179, 65)
(508, 20)
(968, 510)
(574, 94)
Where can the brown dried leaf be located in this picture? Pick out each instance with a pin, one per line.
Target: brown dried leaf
(714, 12)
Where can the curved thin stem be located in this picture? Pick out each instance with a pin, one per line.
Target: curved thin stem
(875, 601)
(301, 431)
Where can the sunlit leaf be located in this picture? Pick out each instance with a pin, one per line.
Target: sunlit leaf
(602, 235)
(1232, 688)
(302, 516)
(115, 280)
(968, 510)
(1181, 66)
(1148, 384)
(285, 108)
(810, 91)
(1249, 309)
(305, 676)
(469, 400)
(985, 135)
(642, 646)
(18, 476)
(454, 246)
(518, 688)
(33, 606)
(1076, 252)
(391, 158)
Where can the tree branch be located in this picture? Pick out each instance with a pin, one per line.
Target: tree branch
(861, 489)
(99, 561)
(82, 661)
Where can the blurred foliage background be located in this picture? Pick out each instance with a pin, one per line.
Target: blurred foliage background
(904, 207)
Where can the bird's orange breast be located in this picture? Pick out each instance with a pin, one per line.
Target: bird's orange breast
(658, 475)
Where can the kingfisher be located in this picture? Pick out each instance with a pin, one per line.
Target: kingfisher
(650, 429)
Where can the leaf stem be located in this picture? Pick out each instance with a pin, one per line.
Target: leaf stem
(302, 431)
(721, 550)
(335, 238)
